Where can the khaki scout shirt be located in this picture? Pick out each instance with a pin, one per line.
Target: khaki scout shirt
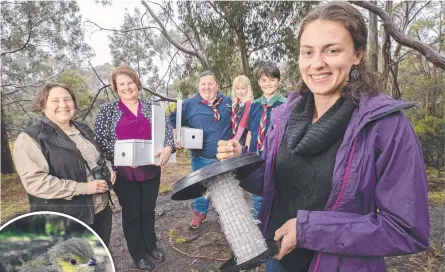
(33, 169)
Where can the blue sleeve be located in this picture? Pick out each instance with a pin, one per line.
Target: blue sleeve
(172, 117)
(249, 120)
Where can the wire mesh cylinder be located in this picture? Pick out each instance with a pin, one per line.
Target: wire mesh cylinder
(242, 233)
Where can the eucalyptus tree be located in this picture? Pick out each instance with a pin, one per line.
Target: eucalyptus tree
(39, 40)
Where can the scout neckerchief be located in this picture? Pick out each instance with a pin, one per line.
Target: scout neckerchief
(263, 121)
(213, 106)
(234, 118)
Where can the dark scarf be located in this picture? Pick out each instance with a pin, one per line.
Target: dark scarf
(307, 139)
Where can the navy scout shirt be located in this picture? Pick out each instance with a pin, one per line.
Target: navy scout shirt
(256, 110)
(198, 115)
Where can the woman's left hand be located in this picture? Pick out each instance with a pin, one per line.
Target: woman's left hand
(164, 155)
(113, 177)
(288, 235)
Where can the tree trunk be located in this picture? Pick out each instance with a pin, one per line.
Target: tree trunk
(386, 48)
(395, 58)
(243, 51)
(427, 51)
(7, 165)
(373, 52)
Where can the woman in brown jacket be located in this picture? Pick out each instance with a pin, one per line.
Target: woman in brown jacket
(56, 158)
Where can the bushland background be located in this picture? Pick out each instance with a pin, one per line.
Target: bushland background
(170, 43)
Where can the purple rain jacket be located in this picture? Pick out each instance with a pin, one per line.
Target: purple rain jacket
(378, 205)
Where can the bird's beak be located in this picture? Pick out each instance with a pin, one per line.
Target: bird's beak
(93, 262)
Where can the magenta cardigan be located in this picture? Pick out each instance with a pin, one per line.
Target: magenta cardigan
(138, 128)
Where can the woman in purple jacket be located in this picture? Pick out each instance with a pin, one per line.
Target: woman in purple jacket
(344, 181)
(136, 187)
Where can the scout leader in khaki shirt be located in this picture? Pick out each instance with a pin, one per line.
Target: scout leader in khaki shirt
(33, 169)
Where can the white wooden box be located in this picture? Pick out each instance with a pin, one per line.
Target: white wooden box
(133, 153)
(142, 152)
(191, 138)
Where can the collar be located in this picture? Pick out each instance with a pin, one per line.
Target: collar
(307, 139)
(198, 97)
(125, 109)
(272, 101)
(73, 132)
(48, 121)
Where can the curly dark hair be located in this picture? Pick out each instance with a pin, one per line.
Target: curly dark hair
(42, 95)
(344, 13)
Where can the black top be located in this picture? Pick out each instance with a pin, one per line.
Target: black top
(65, 162)
(304, 167)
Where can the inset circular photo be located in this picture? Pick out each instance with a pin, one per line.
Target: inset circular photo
(51, 242)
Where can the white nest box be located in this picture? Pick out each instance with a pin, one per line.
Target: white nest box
(142, 152)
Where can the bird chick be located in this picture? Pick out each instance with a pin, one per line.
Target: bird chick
(73, 255)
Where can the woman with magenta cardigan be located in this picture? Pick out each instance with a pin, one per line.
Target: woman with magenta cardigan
(344, 180)
(136, 187)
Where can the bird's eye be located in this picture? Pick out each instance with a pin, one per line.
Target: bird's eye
(73, 261)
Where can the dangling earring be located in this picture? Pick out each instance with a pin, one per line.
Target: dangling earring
(354, 73)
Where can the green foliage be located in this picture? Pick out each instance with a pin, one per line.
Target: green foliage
(19, 235)
(80, 87)
(186, 86)
(237, 35)
(134, 48)
(431, 133)
(37, 36)
(419, 80)
(39, 40)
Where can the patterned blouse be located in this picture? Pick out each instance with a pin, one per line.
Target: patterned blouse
(105, 130)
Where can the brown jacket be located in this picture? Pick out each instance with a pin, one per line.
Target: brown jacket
(33, 170)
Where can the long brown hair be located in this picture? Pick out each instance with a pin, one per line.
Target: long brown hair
(353, 21)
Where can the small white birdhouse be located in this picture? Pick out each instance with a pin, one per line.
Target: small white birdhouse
(142, 152)
(191, 138)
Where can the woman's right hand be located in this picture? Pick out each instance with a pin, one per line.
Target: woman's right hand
(228, 149)
(97, 187)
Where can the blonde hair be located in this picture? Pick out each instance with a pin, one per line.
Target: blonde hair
(124, 70)
(242, 80)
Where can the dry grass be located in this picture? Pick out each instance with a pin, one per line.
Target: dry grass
(14, 199)
(436, 187)
(183, 156)
(430, 260)
(165, 188)
(436, 198)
